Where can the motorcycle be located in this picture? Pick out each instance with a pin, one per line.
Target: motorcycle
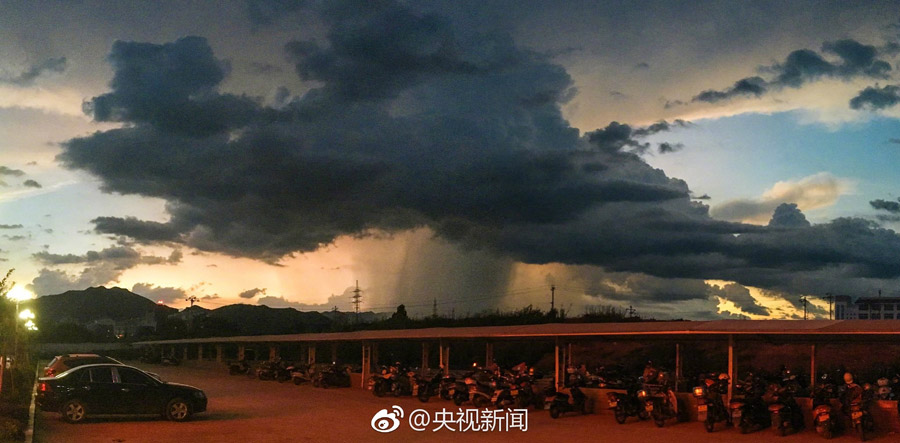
(659, 400)
(170, 361)
(710, 406)
(574, 401)
(392, 381)
(883, 392)
(301, 373)
(333, 376)
(747, 406)
(426, 387)
(238, 367)
(785, 412)
(822, 412)
(857, 401)
(626, 404)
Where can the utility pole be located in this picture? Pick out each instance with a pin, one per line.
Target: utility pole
(552, 298)
(830, 299)
(434, 307)
(630, 311)
(805, 302)
(356, 299)
(193, 299)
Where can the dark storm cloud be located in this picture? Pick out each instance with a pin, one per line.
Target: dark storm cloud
(31, 184)
(27, 77)
(787, 215)
(751, 86)
(850, 59)
(666, 147)
(250, 293)
(886, 205)
(11, 172)
(145, 230)
(741, 298)
(171, 86)
(159, 293)
(875, 97)
(895, 141)
(410, 124)
(120, 257)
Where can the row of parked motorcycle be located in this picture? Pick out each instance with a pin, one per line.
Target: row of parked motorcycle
(320, 375)
(759, 403)
(480, 387)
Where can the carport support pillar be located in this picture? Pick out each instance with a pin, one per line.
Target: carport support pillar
(731, 365)
(241, 354)
(812, 365)
(185, 353)
(556, 363)
(311, 354)
(219, 353)
(334, 353)
(366, 364)
(488, 354)
(569, 355)
(677, 365)
(445, 357)
(424, 355)
(273, 352)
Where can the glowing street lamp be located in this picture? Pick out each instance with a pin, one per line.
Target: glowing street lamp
(19, 294)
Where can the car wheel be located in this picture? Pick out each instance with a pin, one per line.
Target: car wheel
(178, 409)
(554, 412)
(73, 411)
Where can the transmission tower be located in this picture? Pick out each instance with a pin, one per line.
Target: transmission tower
(805, 302)
(630, 311)
(356, 300)
(434, 308)
(552, 298)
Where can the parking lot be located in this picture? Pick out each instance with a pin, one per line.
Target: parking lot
(248, 410)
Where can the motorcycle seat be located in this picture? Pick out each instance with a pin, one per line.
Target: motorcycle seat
(736, 405)
(776, 407)
(821, 409)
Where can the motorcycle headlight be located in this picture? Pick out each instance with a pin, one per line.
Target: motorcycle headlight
(699, 391)
(642, 394)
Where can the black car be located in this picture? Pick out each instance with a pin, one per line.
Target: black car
(116, 389)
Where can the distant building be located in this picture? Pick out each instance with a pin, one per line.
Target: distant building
(866, 308)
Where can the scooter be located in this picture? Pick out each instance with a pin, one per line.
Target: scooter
(626, 404)
(238, 367)
(747, 407)
(860, 399)
(659, 400)
(823, 414)
(786, 415)
(572, 402)
(710, 407)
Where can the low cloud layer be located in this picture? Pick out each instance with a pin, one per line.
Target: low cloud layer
(842, 59)
(28, 76)
(813, 192)
(101, 267)
(410, 124)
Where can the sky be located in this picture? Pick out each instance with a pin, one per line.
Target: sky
(700, 160)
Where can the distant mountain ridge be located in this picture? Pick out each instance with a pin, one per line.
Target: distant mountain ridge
(96, 303)
(126, 310)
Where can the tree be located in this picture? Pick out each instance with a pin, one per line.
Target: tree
(400, 315)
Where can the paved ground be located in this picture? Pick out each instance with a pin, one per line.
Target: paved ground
(246, 410)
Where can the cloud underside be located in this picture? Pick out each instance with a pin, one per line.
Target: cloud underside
(844, 60)
(413, 125)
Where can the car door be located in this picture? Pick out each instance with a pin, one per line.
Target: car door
(138, 392)
(101, 394)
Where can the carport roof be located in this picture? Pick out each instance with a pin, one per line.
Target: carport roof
(572, 330)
